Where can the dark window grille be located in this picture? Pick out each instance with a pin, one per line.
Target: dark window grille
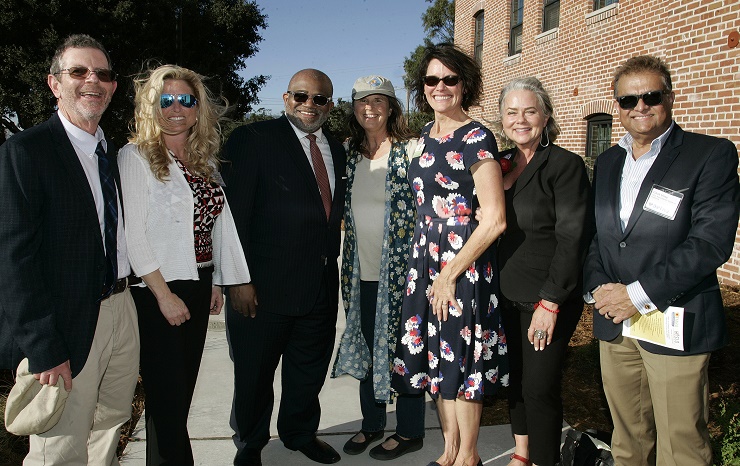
(517, 18)
(478, 49)
(599, 137)
(599, 4)
(550, 15)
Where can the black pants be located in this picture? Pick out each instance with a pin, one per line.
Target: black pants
(535, 402)
(305, 344)
(170, 359)
(410, 408)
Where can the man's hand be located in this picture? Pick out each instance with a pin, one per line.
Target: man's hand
(51, 376)
(244, 299)
(613, 302)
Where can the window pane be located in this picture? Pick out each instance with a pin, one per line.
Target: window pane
(551, 15)
(517, 12)
(515, 42)
(599, 135)
(478, 52)
(598, 4)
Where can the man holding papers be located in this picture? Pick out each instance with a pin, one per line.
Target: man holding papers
(666, 204)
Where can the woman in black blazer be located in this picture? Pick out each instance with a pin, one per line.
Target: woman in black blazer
(540, 256)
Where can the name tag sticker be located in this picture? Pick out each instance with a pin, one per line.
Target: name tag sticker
(663, 201)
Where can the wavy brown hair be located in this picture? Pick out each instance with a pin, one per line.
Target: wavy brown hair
(148, 134)
(460, 63)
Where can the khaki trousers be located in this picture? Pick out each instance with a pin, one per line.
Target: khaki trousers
(100, 400)
(656, 401)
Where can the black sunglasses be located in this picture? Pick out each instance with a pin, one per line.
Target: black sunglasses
(628, 102)
(302, 97)
(449, 81)
(82, 72)
(186, 100)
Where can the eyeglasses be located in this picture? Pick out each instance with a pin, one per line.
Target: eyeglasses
(449, 81)
(81, 72)
(302, 97)
(628, 102)
(186, 100)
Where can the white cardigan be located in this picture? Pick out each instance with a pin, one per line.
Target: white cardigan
(159, 225)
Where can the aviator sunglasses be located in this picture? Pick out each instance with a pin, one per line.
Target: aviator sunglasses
(449, 81)
(318, 99)
(628, 102)
(82, 72)
(186, 100)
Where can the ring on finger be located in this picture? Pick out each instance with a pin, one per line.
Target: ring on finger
(540, 334)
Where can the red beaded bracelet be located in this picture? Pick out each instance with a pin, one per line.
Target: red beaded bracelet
(554, 311)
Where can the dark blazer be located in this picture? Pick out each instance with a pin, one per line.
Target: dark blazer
(547, 233)
(279, 215)
(674, 260)
(52, 261)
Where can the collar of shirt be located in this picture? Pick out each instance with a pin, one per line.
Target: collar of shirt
(655, 146)
(81, 138)
(302, 134)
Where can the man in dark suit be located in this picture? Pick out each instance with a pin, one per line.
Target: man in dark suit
(64, 303)
(666, 206)
(285, 183)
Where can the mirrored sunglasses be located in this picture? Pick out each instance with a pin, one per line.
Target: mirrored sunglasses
(449, 81)
(628, 102)
(318, 99)
(186, 100)
(82, 72)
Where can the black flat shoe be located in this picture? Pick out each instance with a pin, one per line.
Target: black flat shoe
(248, 457)
(403, 447)
(320, 451)
(355, 448)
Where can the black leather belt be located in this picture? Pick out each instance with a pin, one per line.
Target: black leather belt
(121, 284)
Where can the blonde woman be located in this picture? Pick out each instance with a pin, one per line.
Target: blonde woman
(182, 243)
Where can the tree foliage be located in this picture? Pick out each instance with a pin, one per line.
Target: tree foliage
(211, 37)
(439, 25)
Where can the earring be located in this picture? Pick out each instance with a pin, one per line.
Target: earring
(544, 133)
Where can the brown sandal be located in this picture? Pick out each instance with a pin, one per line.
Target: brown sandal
(522, 459)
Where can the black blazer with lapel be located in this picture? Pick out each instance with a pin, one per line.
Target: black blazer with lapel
(547, 233)
(279, 215)
(52, 261)
(674, 260)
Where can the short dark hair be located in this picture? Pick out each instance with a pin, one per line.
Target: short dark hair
(644, 64)
(396, 126)
(76, 41)
(459, 62)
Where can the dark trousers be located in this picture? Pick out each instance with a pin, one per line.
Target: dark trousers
(535, 402)
(170, 359)
(256, 345)
(410, 408)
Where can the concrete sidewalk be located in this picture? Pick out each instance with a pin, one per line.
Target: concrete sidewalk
(210, 434)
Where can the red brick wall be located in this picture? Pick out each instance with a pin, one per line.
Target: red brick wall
(576, 62)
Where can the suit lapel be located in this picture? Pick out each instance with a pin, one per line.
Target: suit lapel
(532, 167)
(662, 163)
(67, 154)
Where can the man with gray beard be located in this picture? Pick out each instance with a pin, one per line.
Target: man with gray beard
(285, 183)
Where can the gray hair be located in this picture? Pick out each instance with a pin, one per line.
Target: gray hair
(76, 41)
(544, 102)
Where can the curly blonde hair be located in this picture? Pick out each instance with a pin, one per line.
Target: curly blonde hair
(204, 140)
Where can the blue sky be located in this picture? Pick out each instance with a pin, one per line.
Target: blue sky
(345, 39)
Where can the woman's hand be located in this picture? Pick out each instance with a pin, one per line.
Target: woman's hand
(173, 309)
(542, 320)
(217, 300)
(442, 295)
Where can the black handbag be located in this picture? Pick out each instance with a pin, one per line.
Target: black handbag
(579, 449)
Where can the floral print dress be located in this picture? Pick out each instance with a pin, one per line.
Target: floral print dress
(464, 356)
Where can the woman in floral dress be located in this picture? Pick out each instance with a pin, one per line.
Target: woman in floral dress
(451, 342)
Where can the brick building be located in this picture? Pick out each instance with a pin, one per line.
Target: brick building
(573, 47)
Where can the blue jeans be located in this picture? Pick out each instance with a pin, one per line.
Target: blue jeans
(410, 408)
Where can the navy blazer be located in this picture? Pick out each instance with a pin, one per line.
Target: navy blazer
(279, 215)
(674, 260)
(547, 229)
(52, 261)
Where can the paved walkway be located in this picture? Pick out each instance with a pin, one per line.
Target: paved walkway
(211, 436)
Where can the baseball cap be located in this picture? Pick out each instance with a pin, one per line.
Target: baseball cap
(374, 84)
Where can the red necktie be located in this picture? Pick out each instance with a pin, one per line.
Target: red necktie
(319, 169)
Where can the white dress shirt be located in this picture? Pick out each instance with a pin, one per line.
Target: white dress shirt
(323, 144)
(85, 144)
